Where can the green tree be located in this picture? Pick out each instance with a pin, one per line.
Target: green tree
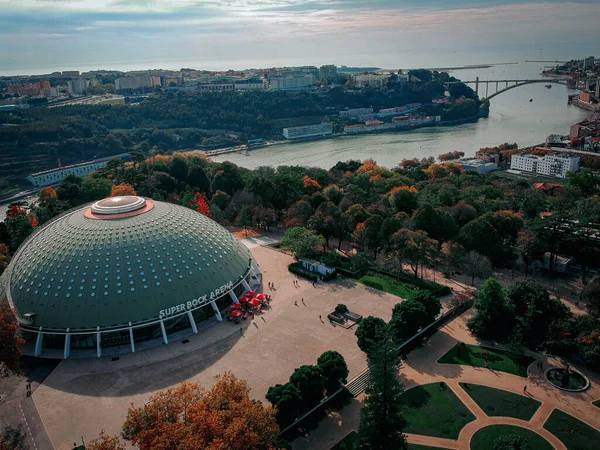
(479, 235)
(372, 233)
(309, 380)
(494, 318)
(302, 242)
(415, 247)
(93, 188)
(19, 227)
(591, 295)
(335, 370)
(369, 333)
(287, 398)
(244, 219)
(535, 311)
(432, 304)
(438, 224)
(70, 190)
(381, 420)
(407, 318)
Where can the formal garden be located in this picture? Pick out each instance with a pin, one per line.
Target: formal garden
(572, 432)
(489, 438)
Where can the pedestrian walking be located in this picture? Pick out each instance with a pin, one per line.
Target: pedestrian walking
(241, 330)
(320, 318)
(303, 301)
(525, 389)
(296, 303)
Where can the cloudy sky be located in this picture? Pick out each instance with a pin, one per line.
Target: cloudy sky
(128, 34)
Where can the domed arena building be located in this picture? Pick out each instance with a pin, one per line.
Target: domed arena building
(124, 272)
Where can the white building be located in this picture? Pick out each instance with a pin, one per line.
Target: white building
(558, 164)
(476, 165)
(250, 84)
(216, 87)
(306, 131)
(554, 165)
(292, 81)
(356, 112)
(136, 82)
(78, 85)
(526, 162)
(371, 79)
(54, 176)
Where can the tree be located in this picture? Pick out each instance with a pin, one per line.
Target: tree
(369, 333)
(95, 188)
(414, 246)
(453, 256)
(432, 304)
(407, 318)
(188, 416)
(3, 257)
(438, 224)
(535, 311)
(287, 401)
(244, 219)
(477, 265)
(381, 420)
(335, 370)
(494, 319)
(11, 343)
(301, 242)
(201, 204)
(122, 189)
(19, 227)
(372, 233)
(511, 442)
(70, 190)
(403, 198)
(309, 380)
(530, 247)
(591, 295)
(479, 235)
(106, 442)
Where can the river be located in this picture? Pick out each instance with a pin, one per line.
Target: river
(513, 118)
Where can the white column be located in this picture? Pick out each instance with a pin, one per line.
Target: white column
(233, 296)
(192, 322)
(131, 338)
(38, 343)
(246, 285)
(164, 332)
(98, 343)
(67, 352)
(216, 309)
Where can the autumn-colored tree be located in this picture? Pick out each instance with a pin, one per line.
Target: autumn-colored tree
(310, 184)
(11, 342)
(201, 203)
(189, 417)
(47, 195)
(403, 198)
(122, 189)
(415, 247)
(106, 442)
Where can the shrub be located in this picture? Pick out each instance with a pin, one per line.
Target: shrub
(341, 308)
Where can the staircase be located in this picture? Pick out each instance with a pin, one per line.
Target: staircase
(358, 384)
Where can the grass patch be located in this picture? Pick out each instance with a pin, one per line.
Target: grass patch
(476, 356)
(496, 402)
(572, 432)
(484, 438)
(596, 403)
(387, 285)
(434, 410)
(423, 447)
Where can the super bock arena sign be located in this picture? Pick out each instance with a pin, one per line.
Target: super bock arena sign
(197, 302)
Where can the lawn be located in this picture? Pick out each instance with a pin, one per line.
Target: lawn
(484, 438)
(387, 285)
(499, 360)
(596, 403)
(350, 442)
(434, 410)
(575, 434)
(496, 402)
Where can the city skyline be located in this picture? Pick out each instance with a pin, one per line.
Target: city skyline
(132, 34)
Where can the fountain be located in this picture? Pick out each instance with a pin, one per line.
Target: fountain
(567, 379)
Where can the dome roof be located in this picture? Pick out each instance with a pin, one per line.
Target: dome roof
(119, 261)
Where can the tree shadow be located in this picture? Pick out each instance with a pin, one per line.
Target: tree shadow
(14, 437)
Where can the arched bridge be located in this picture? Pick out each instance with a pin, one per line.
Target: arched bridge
(502, 86)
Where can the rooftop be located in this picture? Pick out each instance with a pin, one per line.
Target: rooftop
(83, 164)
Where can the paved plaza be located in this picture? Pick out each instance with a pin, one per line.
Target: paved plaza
(83, 396)
(421, 368)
